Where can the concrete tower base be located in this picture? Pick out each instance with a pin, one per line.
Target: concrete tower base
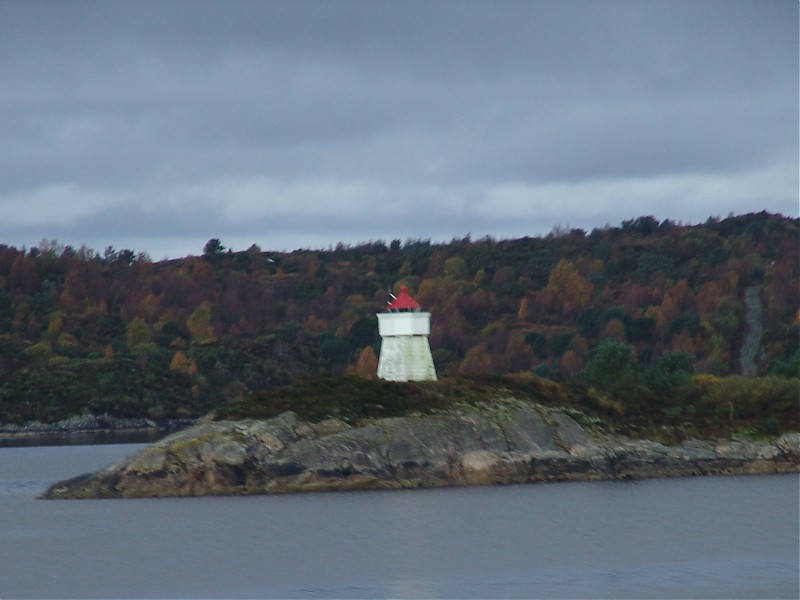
(406, 358)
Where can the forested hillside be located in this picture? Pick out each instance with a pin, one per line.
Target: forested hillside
(117, 333)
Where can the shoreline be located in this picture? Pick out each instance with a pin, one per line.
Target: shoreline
(102, 426)
(520, 445)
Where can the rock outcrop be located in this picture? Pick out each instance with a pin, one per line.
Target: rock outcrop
(89, 424)
(502, 445)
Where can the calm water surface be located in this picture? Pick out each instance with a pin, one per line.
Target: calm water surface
(722, 537)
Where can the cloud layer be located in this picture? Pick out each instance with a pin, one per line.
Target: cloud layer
(156, 125)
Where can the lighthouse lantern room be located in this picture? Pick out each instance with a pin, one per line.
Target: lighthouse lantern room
(405, 352)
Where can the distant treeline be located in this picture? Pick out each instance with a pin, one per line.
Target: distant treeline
(117, 333)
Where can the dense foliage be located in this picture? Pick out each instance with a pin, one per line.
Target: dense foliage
(631, 312)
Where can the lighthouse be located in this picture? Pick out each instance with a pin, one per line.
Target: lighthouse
(405, 352)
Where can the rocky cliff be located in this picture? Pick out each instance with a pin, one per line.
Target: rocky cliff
(506, 444)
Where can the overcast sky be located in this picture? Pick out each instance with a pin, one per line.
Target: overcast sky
(156, 125)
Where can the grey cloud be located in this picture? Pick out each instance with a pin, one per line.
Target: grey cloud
(430, 104)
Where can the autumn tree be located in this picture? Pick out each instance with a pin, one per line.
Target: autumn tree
(137, 333)
(455, 268)
(199, 323)
(569, 289)
(477, 362)
(518, 355)
(615, 330)
(22, 276)
(525, 311)
(366, 366)
(179, 363)
(571, 363)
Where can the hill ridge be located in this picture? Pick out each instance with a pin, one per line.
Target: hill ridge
(118, 334)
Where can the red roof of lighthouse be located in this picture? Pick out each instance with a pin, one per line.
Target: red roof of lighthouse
(403, 301)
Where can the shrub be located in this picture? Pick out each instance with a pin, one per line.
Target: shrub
(671, 374)
(746, 399)
(612, 373)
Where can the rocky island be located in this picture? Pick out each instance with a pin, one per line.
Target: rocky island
(505, 443)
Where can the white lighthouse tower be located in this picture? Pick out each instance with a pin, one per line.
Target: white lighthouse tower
(405, 352)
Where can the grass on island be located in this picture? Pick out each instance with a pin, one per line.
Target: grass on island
(705, 406)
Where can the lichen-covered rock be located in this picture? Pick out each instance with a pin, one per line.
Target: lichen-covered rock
(789, 445)
(505, 444)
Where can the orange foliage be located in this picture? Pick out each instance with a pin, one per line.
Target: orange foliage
(366, 366)
(580, 345)
(150, 308)
(655, 313)
(571, 363)
(179, 363)
(615, 329)
(476, 362)
(525, 313)
(569, 289)
(683, 341)
(518, 355)
(668, 309)
(681, 296)
(707, 299)
(314, 324)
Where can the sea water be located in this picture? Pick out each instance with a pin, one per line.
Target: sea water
(713, 537)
